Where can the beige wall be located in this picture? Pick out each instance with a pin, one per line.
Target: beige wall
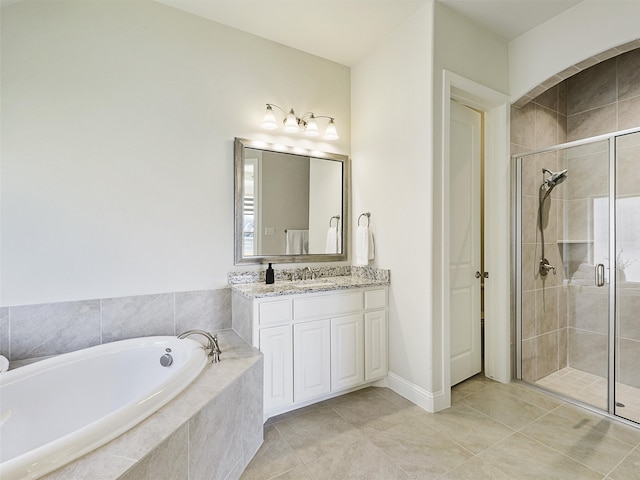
(118, 120)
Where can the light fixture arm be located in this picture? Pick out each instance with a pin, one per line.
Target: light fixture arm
(313, 115)
(279, 108)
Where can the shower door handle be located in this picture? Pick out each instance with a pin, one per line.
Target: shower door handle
(600, 275)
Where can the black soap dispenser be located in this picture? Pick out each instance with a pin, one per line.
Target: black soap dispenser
(269, 277)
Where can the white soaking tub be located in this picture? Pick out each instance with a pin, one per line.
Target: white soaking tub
(58, 409)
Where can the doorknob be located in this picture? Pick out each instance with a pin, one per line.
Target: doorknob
(483, 274)
(478, 274)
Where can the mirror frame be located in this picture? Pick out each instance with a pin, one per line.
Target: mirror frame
(239, 149)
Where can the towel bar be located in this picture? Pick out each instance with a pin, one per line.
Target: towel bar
(366, 214)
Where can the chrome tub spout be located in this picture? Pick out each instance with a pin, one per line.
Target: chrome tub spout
(212, 346)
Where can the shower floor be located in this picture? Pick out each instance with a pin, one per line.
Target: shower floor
(591, 389)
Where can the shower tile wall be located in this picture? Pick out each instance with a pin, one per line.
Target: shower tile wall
(563, 324)
(541, 123)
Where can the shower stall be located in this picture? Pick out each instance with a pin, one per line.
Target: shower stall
(577, 264)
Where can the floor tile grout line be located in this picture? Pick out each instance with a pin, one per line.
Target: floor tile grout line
(622, 460)
(377, 395)
(445, 434)
(492, 418)
(549, 447)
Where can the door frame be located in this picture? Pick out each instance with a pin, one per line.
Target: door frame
(497, 217)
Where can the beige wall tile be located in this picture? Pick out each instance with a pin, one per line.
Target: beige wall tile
(523, 121)
(592, 122)
(592, 88)
(629, 113)
(547, 354)
(628, 71)
(528, 314)
(587, 351)
(546, 124)
(546, 310)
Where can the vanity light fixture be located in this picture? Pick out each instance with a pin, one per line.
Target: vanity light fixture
(293, 124)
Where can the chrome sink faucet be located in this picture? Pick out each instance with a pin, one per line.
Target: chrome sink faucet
(213, 347)
(305, 271)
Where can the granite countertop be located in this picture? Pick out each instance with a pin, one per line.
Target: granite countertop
(323, 284)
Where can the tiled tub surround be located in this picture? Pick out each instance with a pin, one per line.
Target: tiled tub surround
(33, 331)
(56, 410)
(211, 430)
(601, 99)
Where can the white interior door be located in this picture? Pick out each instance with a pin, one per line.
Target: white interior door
(465, 221)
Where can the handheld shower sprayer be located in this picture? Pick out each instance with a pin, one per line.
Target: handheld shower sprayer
(548, 184)
(555, 178)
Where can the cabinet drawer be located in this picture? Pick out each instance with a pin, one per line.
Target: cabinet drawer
(327, 305)
(276, 312)
(375, 299)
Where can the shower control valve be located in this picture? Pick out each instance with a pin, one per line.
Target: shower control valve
(545, 267)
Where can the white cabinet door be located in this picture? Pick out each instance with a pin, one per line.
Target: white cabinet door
(311, 359)
(277, 346)
(375, 331)
(347, 351)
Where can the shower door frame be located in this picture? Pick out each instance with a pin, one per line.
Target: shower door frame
(613, 278)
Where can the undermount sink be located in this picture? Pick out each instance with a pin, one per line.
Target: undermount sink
(313, 283)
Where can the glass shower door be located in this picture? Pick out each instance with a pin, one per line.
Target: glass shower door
(627, 230)
(565, 271)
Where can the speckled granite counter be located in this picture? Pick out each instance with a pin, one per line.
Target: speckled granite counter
(251, 284)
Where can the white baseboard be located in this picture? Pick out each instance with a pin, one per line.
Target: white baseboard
(431, 402)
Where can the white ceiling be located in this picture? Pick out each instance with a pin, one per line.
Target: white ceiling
(345, 30)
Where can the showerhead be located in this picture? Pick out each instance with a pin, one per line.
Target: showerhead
(555, 178)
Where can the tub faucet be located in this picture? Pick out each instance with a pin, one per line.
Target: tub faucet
(214, 348)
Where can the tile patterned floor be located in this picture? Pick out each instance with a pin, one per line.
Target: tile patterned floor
(591, 389)
(492, 431)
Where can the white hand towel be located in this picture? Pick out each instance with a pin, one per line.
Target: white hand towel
(332, 240)
(297, 242)
(365, 250)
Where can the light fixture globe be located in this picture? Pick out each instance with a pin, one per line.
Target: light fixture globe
(312, 127)
(331, 133)
(269, 122)
(291, 123)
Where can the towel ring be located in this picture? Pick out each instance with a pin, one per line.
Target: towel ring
(366, 214)
(337, 217)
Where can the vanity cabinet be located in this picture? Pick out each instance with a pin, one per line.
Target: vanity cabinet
(375, 335)
(315, 345)
(311, 359)
(347, 351)
(276, 343)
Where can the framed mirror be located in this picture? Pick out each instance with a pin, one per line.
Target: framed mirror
(291, 205)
